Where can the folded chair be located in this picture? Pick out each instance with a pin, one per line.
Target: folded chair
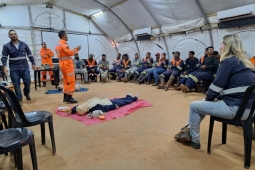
(12, 140)
(245, 124)
(21, 119)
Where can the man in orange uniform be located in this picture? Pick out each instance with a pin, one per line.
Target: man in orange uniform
(46, 55)
(67, 66)
(253, 60)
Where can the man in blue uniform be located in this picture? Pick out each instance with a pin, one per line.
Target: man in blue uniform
(116, 67)
(145, 64)
(174, 69)
(191, 65)
(208, 68)
(125, 64)
(18, 52)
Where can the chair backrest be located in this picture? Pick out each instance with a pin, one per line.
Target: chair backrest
(244, 103)
(55, 60)
(13, 107)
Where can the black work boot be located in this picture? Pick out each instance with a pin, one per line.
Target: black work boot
(70, 99)
(28, 97)
(64, 98)
(52, 82)
(134, 79)
(44, 84)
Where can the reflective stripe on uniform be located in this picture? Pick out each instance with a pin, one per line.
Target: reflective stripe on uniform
(18, 58)
(179, 67)
(4, 56)
(65, 58)
(30, 55)
(197, 65)
(193, 78)
(215, 88)
(71, 74)
(234, 90)
(162, 75)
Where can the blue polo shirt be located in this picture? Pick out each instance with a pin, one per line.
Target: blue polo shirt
(17, 56)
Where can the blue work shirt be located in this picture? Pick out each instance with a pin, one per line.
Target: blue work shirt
(17, 57)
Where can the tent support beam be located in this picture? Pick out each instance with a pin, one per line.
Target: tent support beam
(158, 24)
(206, 19)
(32, 31)
(138, 51)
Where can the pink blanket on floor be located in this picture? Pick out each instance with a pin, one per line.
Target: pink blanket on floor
(114, 114)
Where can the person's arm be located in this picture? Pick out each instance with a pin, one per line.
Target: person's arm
(30, 56)
(86, 64)
(186, 65)
(68, 51)
(100, 64)
(82, 64)
(107, 65)
(51, 54)
(129, 64)
(220, 81)
(95, 64)
(180, 66)
(4, 58)
(215, 64)
(165, 63)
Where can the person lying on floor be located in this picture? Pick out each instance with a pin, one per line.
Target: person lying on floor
(105, 105)
(234, 76)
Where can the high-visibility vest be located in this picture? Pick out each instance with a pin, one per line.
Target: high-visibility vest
(93, 62)
(176, 63)
(125, 62)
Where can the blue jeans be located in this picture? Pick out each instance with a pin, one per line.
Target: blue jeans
(157, 72)
(16, 75)
(150, 73)
(218, 108)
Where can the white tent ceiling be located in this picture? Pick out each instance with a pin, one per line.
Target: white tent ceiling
(120, 17)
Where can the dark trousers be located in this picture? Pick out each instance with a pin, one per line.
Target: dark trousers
(16, 75)
(113, 71)
(167, 74)
(195, 77)
(92, 73)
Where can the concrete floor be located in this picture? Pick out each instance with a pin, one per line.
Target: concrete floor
(142, 140)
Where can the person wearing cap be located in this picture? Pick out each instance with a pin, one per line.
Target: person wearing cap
(145, 64)
(148, 72)
(208, 67)
(134, 66)
(174, 69)
(191, 65)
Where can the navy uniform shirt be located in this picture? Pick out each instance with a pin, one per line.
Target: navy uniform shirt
(211, 63)
(17, 57)
(231, 82)
(191, 65)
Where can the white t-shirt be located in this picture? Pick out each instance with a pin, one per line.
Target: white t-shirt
(17, 45)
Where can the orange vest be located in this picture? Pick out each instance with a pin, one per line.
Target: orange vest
(253, 60)
(91, 63)
(176, 63)
(144, 59)
(125, 62)
(202, 59)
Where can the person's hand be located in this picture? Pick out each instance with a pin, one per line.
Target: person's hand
(185, 72)
(203, 67)
(5, 70)
(79, 48)
(90, 66)
(33, 67)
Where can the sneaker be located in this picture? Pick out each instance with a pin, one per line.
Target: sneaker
(86, 82)
(28, 97)
(183, 135)
(155, 84)
(195, 145)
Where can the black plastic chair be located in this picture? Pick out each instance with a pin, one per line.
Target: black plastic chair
(4, 121)
(12, 140)
(2, 74)
(246, 124)
(21, 119)
(81, 75)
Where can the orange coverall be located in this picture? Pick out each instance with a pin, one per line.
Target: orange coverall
(66, 65)
(46, 55)
(253, 60)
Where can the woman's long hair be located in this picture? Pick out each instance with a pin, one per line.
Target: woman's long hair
(234, 47)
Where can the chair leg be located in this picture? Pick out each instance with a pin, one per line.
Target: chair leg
(204, 86)
(43, 133)
(4, 121)
(224, 133)
(50, 122)
(33, 152)
(247, 130)
(210, 135)
(19, 159)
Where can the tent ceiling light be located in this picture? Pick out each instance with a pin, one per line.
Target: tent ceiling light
(97, 14)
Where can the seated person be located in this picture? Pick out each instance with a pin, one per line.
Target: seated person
(134, 66)
(91, 66)
(116, 67)
(208, 68)
(145, 64)
(174, 69)
(191, 65)
(215, 53)
(148, 72)
(79, 67)
(125, 64)
(161, 68)
(103, 68)
(234, 76)
(105, 105)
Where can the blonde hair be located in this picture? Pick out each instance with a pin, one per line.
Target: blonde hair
(234, 47)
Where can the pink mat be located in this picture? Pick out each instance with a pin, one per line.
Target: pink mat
(114, 114)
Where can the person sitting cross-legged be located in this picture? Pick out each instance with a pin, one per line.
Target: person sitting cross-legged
(174, 69)
(116, 67)
(91, 65)
(145, 64)
(148, 72)
(79, 67)
(207, 69)
(125, 64)
(225, 94)
(134, 66)
(191, 65)
(103, 68)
